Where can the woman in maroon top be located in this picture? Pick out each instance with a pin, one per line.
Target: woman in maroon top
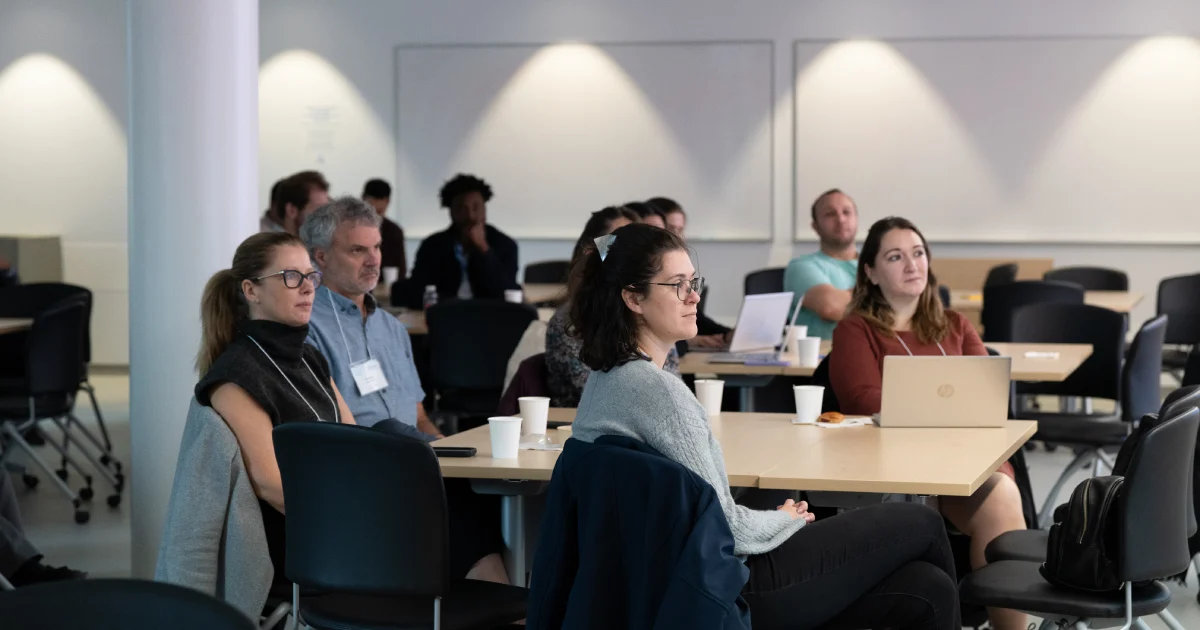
(896, 310)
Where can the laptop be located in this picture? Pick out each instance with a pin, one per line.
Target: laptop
(944, 391)
(759, 330)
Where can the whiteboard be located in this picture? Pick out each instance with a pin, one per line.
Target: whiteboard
(1053, 140)
(562, 130)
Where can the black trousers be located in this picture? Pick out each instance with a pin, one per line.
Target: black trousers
(883, 566)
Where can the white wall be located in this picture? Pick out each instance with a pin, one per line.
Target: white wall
(63, 146)
(358, 39)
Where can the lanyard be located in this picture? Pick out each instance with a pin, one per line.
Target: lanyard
(289, 382)
(338, 318)
(898, 338)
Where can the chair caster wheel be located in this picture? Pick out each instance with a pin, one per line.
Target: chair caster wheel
(114, 500)
(86, 494)
(31, 481)
(62, 473)
(81, 517)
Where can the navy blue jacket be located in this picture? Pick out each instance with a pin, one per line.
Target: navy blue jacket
(631, 539)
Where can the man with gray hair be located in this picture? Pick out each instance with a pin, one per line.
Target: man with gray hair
(369, 351)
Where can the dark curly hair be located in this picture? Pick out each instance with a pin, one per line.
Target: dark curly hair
(462, 184)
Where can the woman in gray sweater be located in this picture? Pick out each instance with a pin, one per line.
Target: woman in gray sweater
(633, 296)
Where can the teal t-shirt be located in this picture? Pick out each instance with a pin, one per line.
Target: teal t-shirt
(815, 269)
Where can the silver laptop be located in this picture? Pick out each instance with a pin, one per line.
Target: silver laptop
(759, 329)
(945, 391)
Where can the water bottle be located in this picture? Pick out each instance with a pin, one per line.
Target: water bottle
(430, 298)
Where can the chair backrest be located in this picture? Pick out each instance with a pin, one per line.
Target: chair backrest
(54, 364)
(547, 272)
(1091, 278)
(116, 604)
(944, 295)
(1191, 370)
(1001, 274)
(530, 380)
(27, 300)
(470, 342)
(1152, 520)
(1179, 299)
(1140, 378)
(764, 281)
(1099, 376)
(1001, 301)
(366, 510)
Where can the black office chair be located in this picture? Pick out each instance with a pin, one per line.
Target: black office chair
(116, 604)
(764, 281)
(547, 272)
(1146, 549)
(26, 301)
(1001, 301)
(1030, 545)
(1001, 274)
(944, 295)
(47, 389)
(1179, 299)
(1191, 370)
(470, 342)
(1130, 381)
(367, 528)
(1091, 278)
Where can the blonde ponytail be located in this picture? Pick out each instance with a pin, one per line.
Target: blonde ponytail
(222, 306)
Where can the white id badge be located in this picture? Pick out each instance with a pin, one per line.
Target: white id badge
(368, 376)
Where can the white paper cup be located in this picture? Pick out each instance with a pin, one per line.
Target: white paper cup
(534, 410)
(709, 393)
(808, 403)
(794, 335)
(516, 296)
(808, 351)
(506, 436)
(390, 275)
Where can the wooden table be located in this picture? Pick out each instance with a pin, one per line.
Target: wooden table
(8, 325)
(414, 321)
(1119, 301)
(545, 293)
(1024, 368)
(946, 462)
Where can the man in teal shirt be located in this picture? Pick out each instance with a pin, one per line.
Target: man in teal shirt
(825, 279)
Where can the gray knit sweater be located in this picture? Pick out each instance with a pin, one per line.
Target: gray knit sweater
(640, 401)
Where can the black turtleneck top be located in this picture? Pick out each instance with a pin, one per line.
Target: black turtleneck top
(245, 365)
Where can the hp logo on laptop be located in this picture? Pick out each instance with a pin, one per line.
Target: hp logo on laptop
(945, 390)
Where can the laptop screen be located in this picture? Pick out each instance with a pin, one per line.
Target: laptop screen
(760, 324)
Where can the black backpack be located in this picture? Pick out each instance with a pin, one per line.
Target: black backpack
(1083, 539)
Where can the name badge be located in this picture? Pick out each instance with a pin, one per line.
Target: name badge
(368, 376)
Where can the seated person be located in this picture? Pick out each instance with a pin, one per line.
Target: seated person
(292, 200)
(566, 374)
(888, 565)
(896, 311)
(710, 333)
(370, 357)
(648, 213)
(470, 259)
(378, 194)
(21, 562)
(825, 277)
(8, 275)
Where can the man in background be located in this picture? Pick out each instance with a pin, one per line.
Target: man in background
(826, 277)
(292, 200)
(378, 194)
(470, 259)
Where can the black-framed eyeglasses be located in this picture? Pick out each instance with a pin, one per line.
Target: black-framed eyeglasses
(292, 278)
(683, 288)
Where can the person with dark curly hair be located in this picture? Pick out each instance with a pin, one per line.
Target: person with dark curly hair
(470, 259)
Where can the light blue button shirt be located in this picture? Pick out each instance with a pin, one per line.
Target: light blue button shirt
(382, 337)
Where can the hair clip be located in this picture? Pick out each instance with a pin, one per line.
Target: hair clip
(603, 243)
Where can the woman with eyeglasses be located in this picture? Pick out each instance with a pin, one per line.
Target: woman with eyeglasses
(255, 369)
(633, 296)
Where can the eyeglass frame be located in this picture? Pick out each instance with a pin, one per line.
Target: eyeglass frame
(303, 276)
(695, 285)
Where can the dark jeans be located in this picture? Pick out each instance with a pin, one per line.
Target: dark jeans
(883, 566)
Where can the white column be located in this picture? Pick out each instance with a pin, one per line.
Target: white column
(193, 177)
